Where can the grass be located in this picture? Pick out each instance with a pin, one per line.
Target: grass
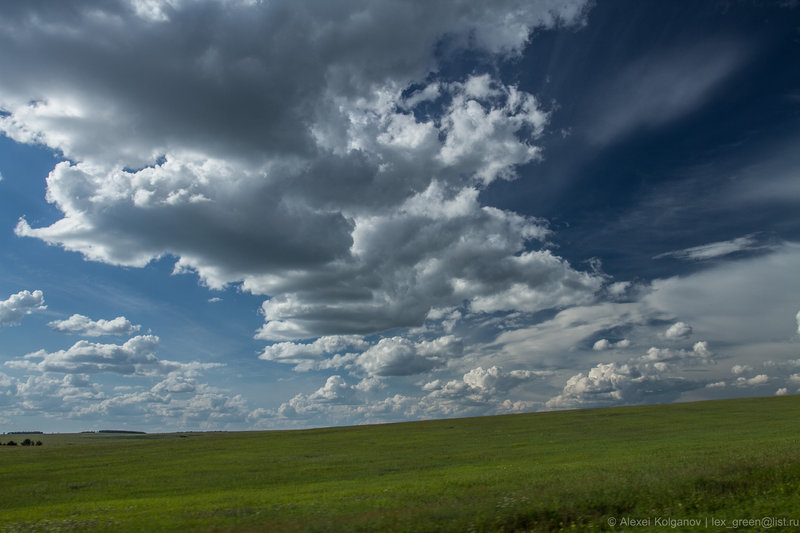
(571, 470)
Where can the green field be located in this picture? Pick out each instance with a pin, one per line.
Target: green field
(634, 467)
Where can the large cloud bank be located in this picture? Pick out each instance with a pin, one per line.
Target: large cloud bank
(268, 144)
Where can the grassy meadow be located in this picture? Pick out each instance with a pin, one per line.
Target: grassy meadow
(650, 468)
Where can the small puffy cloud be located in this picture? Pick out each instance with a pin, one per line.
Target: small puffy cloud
(740, 369)
(335, 389)
(699, 353)
(783, 391)
(614, 384)
(18, 305)
(330, 351)
(83, 325)
(479, 391)
(678, 330)
(605, 344)
(335, 392)
(602, 344)
(174, 382)
(398, 356)
(760, 379)
(605, 383)
(494, 379)
(136, 356)
(370, 384)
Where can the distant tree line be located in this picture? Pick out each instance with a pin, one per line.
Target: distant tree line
(26, 442)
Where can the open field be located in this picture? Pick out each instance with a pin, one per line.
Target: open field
(633, 467)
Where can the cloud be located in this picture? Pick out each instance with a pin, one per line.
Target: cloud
(479, 391)
(717, 303)
(605, 344)
(744, 302)
(716, 249)
(276, 151)
(83, 325)
(661, 87)
(190, 405)
(325, 352)
(554, 342)
(137, 355)
(797, 319)
(335, 392)
(619, 384)
(494, 379)
(699, 353)
(398, 356)
(740, 369)
(760, 379)
(18, 305)
(55, 396)
(438, 250)
(678, 330)
(177, 399)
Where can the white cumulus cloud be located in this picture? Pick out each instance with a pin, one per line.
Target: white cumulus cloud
(137, 355)
(83, 325)
(398, 356)
(605, 344)
(619, 384)
(678, 330)
(18, 305)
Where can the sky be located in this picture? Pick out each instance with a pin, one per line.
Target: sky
(242, 214)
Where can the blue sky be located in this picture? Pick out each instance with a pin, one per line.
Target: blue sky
(252, 215)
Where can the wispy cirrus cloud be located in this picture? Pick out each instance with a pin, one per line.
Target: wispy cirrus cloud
(661, 87)
(748, 243)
